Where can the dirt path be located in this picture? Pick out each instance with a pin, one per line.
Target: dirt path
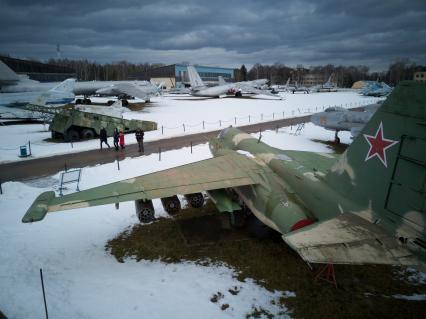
(45, 166)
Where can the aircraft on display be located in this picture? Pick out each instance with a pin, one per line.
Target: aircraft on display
(61, 94)
(297, 88)
(11, 82)
(328, 86)
(366, 206)
(376, 89)
(337, 119)
(198, 88)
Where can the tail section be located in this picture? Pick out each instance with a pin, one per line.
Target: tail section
(385, 167)
(7, 74)
(329, 80)
(66, 86)
(194, 77)
(221, 80)
(58, 95)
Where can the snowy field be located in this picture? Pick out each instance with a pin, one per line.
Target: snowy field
(179, 115)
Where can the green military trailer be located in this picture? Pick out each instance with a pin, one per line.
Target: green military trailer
(73, 125)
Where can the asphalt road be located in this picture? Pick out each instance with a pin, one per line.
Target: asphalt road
(27, 169)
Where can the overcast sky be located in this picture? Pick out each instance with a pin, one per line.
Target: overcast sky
(217, 32)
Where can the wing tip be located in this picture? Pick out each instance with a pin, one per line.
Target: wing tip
(39, 208)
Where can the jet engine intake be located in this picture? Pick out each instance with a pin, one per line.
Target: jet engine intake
(196, 200)
(144, 210)
(171, 204)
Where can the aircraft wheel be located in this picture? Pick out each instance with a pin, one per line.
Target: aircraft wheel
(144, 211)
(196, 200)
(238, 94)
(87, 101)
(72, 135)
(171, 204)
(124, 102)
(110, 102)
(87, 134)
(78, 101)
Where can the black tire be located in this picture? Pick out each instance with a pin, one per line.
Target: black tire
(87, 134)
(145, 211)
(238, 94)
(124, 102)
(258, 229)
(72, 135)
(110, 102)
(78, 101)
(87, 101)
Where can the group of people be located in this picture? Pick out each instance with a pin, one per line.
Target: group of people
(119, 138)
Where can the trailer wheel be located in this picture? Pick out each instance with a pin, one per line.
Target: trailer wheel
(87, 134)
(78, 101)
(72, 135)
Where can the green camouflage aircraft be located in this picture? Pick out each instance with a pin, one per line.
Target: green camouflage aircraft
(366, 206)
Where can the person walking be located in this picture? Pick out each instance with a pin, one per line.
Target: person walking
(121, 139)
(103, 137)
(139, 137)
(116, 137)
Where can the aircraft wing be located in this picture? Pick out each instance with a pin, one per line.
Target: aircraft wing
(319, 161)
(139, 92)
(348, 239)
(225, 171)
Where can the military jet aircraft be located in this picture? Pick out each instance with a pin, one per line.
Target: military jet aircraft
(338, 119)
(376, 89)
(366, 206)
(328, 86)
(293, 88)
(198, 88)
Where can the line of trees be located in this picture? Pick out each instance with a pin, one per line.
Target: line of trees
(277, 73)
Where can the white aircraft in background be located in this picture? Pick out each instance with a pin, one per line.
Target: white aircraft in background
(198, 88)
(10, 82)
(61, 94)
(328, 86)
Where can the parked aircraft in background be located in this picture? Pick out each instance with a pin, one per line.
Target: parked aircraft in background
(376, 89)
(365, 206)
(10, 82)
(339, 119)
(61, 94)
(198, 88)
(297, 88)
(328, 86)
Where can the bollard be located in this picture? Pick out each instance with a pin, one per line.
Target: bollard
(65, 166)
(1, 189)
(162, 130)
(118, 163)
(159, 153)
(220, 123)
(183, 127)
(44, 293)
(235, 120)
(283, 115)
(249, 118)
(72, 146)
(29, 147)
(273, 115)
(191, 147)
(203, 124)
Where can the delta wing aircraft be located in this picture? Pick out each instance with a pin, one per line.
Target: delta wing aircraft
(366, 206)
(200, 89)
(338, 119)
(328, 86)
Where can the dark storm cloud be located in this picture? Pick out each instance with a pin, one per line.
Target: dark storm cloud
(217, 32)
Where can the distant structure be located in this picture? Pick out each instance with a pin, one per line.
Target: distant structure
(312, 79)
(58, 51)
(176, 75)
(38, 71)
(420, 76)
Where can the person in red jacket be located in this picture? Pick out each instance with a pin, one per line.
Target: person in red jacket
(121, 139)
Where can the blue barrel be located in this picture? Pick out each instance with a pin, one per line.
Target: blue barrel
(23, 150)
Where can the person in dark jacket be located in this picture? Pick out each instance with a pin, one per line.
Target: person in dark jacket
(116, 137)
(103, 137)
(139, 137)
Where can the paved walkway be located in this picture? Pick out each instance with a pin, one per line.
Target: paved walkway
(45, 166)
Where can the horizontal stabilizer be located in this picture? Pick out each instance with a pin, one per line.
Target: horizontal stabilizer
(348, 239)
(39, 208)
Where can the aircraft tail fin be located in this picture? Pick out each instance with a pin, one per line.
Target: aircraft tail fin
(194, 77)
(221, 80)
(384, 169)
(7, 74)
(66, 86)
(329, 80)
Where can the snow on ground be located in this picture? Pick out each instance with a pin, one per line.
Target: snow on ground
(84, 281)
(174, 113)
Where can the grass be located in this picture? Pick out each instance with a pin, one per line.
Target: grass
(363, 291)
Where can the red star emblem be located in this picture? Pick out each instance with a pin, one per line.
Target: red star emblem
(378, 145)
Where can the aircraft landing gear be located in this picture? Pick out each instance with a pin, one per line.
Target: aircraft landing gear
(336, 138)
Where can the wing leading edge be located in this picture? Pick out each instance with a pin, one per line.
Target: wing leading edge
(230, 170)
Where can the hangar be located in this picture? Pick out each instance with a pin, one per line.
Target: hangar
(176, 75)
